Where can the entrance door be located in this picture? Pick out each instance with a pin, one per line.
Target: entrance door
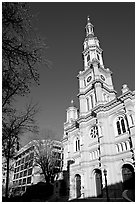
(98, 180)
(128, 176)
(78, 185)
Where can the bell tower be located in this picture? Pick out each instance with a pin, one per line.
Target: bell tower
(95, 81)
(92, 48)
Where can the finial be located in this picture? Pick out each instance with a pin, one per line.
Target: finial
(72, 102)
(88, 19)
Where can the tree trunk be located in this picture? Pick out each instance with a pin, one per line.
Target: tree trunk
(8, 170)
(7, 179)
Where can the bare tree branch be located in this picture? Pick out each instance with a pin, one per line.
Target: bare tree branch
(48, 159)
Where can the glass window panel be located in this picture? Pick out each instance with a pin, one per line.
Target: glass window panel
(19, 162)
(22, 167)
(30, 171)
(20, 181)
(23, 188)
(21, 174)
(118, 127)
(24, 181)
(88, 58)
(26, 165)
(29, 180)
(27, 158)
(22, 161)
(25, 173)
(31, 163)
(123, 125)
(31, 155)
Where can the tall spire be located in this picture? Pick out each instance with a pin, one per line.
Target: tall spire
(89, 28)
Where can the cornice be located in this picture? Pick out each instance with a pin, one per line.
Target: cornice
(99, 108)
(91, 47)
(106, 107)
(92, 86)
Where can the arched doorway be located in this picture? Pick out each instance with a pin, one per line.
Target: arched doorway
(128, 176)
(98, 181)
(78, 185)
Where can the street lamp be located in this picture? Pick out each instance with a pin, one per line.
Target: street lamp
(105, 174)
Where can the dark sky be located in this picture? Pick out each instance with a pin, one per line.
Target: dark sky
(63, 27)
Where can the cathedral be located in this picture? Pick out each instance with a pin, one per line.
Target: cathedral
(99, 137)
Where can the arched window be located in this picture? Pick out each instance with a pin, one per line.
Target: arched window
(98, 56)
(126, 146)
(91, 101)
(132, 120)
(88, 104)
(117, 147)
(88, 57)
(121, 125)
(77, 144)
(78, 185)
(121, 147)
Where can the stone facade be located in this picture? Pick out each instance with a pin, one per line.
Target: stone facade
(98, 138)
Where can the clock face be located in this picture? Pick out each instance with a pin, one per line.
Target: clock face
(102, 77)
(89, 79)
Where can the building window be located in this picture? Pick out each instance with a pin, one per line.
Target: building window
(22, 161)
(88, 104)
(25, 173)
(18, 169)
(22, 166)
(94, 132)
(121, 125)
(30, 171)
(77, 144)
(132, 121)
(26, 165)
(98, 56)
(31, 155)
(20, 181)
(117, 147)
(31, 163)
(29, 180)
(23, 188)
(91, 101)
(21, 174)
(27, 158)
(88, 57)
(24, 181)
